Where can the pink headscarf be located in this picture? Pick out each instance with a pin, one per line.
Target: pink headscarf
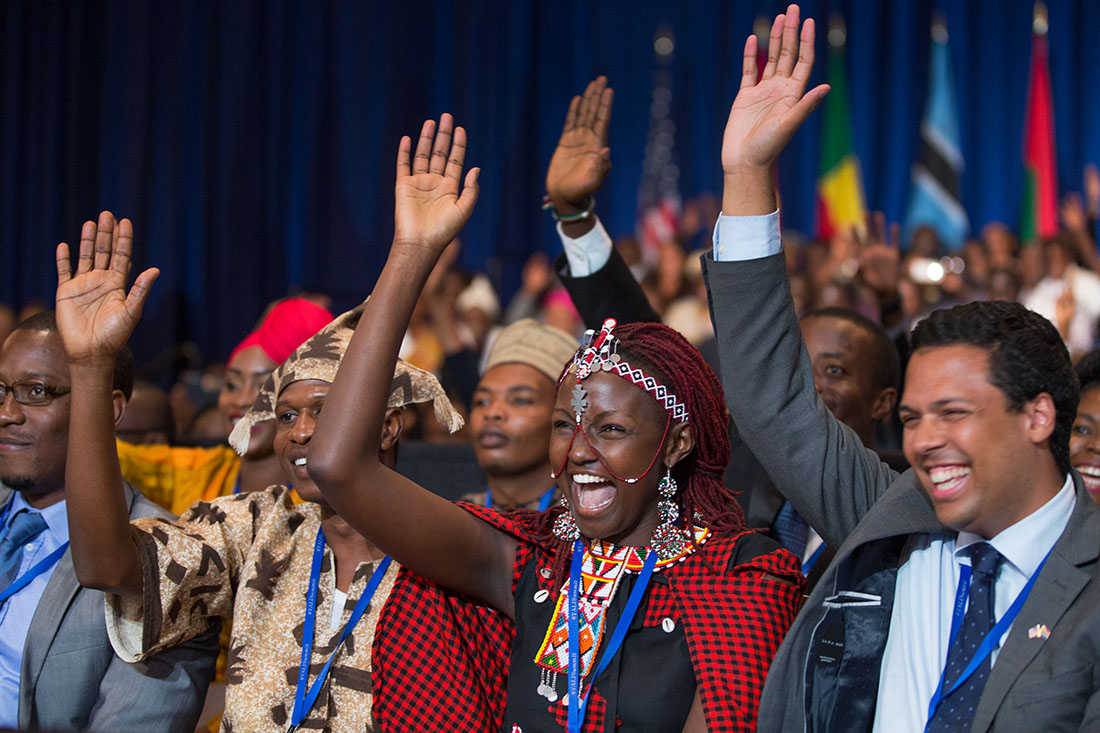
(285, 328)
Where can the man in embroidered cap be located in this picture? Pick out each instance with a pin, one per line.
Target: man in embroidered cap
(249, 555)
(510, 415)
(177, 476)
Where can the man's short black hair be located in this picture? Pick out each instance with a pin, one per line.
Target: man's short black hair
(1088, 370)
(124, 362)
(884, 356)
(1026, 358)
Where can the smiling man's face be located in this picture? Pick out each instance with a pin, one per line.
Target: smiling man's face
(34, 439)
(969, 450)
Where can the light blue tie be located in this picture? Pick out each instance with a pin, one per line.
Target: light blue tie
(25, 526)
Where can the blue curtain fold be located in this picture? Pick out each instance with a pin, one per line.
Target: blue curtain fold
(253, 142)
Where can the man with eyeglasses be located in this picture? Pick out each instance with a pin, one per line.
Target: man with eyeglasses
(57, 668)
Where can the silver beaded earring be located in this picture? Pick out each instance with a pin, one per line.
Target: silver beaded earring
(668, 539)
(565, 528)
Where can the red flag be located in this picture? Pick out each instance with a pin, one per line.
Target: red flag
(1039, 210)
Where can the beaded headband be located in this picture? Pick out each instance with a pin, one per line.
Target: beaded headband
(600, 352)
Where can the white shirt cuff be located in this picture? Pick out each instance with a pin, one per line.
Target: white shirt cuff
(589, 252)
(739, 238)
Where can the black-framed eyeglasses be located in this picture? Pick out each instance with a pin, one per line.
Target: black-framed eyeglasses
(32, 392)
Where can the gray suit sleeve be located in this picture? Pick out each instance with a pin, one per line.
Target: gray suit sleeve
(816, 461)
(165, 692)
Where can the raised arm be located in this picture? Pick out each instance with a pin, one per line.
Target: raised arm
(603, 287)
(815, 461)
(95, 316)
(423, 532)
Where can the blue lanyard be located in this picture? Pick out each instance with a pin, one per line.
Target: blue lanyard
(812, 560)
(991, 639)
(577, 702)
(40, 567)
(544, 500)
(303, 699)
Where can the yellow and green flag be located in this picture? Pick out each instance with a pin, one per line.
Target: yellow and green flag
(840, 201)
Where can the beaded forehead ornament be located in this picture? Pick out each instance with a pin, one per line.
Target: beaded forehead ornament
(600, 352)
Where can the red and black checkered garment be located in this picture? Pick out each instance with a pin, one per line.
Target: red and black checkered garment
(441, 660)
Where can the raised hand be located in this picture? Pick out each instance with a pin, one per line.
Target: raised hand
(766, 113)
(879, 258)
(95, 314)
(431, 202)
(582, 159)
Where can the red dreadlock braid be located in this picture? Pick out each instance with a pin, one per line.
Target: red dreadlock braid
(668, 357)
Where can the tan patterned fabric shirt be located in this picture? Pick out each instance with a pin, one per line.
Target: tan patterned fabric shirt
(248, 557)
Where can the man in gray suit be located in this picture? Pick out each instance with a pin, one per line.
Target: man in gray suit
(57, 667)
(965, 592)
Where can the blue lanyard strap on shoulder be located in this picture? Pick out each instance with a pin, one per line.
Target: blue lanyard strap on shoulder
(40, 567)
(544, 500)
(37, 569)
(303, 699)
(989, 643)
(808, 566)
(577, 702)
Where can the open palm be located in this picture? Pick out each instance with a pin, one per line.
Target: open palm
(767, 112)
(95, 314)
(582, 159)
(432, 203)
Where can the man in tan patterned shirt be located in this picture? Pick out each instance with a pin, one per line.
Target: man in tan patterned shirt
(249, 556)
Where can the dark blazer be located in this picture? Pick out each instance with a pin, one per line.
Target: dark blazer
(868, 511)
(71, 678)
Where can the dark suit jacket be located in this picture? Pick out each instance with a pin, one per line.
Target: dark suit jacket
(868, 511)
(71, 678)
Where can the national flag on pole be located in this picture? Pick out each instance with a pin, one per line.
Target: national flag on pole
(659, 203)
(1039, 205)
(936, 198)
(840, 201)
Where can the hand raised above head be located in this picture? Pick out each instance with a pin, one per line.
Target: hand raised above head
(95, 314)
(766, 113)
(431, 202)
(582, 159)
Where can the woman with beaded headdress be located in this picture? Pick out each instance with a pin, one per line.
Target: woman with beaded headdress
(304, 589)
(639, 603)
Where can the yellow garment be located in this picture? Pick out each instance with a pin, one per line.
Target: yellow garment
(177, 477)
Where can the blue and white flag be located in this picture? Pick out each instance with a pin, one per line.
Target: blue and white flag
(936, 196)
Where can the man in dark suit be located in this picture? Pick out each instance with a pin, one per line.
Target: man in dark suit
(57, 667)
(965, 593)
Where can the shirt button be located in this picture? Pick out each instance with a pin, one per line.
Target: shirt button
(546, 572)
(541, 596)
(668, 625)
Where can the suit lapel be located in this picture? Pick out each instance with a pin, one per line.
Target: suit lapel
(56, 599)
(1058, 585)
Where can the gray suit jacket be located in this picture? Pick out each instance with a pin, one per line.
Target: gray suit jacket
(825, 675)
(71, 678)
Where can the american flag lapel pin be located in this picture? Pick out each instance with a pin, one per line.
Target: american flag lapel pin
(1038, 631)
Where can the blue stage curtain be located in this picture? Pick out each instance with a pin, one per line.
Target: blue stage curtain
(253, 143)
